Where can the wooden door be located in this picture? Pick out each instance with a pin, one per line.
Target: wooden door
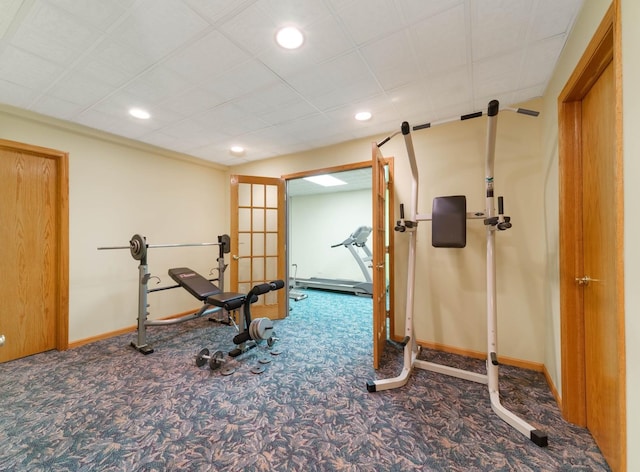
(258, 240)
(599, 248)
(34, 262)
(379, 255)
(591, 244)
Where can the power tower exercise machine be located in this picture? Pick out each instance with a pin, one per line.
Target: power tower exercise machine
(448, 219)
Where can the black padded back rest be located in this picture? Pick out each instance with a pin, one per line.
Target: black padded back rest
(449, 221)
(193, 283)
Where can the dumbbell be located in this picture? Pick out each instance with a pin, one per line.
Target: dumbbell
(215, 361)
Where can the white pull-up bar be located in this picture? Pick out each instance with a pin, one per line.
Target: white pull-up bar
(492, 223)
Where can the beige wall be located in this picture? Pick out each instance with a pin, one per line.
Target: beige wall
(115, 191)
(450, 284)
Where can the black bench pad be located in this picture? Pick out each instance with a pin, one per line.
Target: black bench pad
(193, 283)
(228, 300)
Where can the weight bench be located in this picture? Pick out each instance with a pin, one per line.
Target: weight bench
(194, 283)
(205, 291)
(251, 330)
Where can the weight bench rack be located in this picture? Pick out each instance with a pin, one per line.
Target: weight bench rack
(200, 287)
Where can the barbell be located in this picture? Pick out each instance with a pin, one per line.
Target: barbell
(138, 245)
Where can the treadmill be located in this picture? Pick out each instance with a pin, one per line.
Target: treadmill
(356, 243)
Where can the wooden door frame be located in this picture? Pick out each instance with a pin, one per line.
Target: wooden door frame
(390, 249)
(605, 47)
(62, 233)
(235, 181)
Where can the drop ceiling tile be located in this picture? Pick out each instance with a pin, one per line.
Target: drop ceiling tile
(155, 28)
(229, 119)
(218, 11)
(80, 90)
(370, 19)
(113, 63)
(58, 108)
(288, 112)
(391, 60)
(117, 105)
(253, 29)
(497, 75)
(294, 12)
(16, 95)
(136, 129)
(156, 85)
(207, 58)
(274, 104)
(337, 5)
(450, 87)
(245, 78)
(193, 101)
(325, 39)
(99, 120)
(52, 34)
(10, 9)
(331, 75)
(412, 99)
(379, 106)
(26, 69)
(441, 41)
(183, 137)
(553, 17)
(98, 14)
(499, 26)
(530, 93)
(418, 10)
(541, 57)
(354, 90)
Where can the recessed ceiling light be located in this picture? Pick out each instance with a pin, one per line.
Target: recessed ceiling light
(290, 37)
(140, 113)
(325, 180)
(363, 116)
(237, 150)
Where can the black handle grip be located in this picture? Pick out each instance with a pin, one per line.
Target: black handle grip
(524, 111)
(276, 284)
(260, 289)
(241, 338)
(500, 206)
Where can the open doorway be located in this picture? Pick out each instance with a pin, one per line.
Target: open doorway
(329, 215)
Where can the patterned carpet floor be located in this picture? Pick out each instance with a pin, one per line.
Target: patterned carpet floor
(106, 407)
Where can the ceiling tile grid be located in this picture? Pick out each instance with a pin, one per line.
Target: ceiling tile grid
(211, 74)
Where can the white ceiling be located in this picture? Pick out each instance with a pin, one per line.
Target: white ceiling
(212, 76)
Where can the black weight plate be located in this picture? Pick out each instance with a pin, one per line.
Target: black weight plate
(201, 358)
(216, 360)
(138, 247)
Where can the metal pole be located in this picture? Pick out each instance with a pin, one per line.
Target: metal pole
(154, 246)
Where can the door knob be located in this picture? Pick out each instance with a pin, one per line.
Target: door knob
(2, 339)
(236, 258)
(585, 280)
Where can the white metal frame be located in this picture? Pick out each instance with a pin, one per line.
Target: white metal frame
(411, 348)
